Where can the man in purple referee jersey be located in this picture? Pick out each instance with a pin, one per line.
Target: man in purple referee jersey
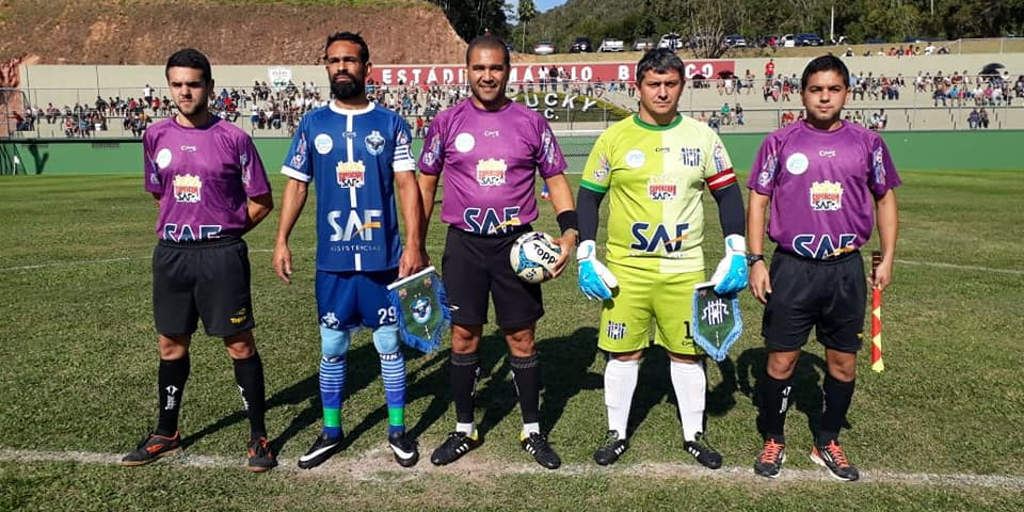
(489, 149)
(211, 188)
(823, 178)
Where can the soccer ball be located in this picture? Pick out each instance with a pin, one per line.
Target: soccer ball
(533, 257)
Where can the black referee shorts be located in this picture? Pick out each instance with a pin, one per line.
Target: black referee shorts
(206, 279)
(828, 295)
(474, 266)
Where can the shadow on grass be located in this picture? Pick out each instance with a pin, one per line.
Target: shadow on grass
(807, 380)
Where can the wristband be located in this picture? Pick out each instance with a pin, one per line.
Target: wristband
(568, 220)
(754, 258)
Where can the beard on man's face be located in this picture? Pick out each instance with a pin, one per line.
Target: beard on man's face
(350, 89)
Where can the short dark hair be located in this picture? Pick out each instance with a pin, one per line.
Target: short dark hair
(660, 60)
(364, 51)
(825, 63)
(491, 42)
(190, 58)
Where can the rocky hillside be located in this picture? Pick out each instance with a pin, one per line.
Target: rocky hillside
(228, 31)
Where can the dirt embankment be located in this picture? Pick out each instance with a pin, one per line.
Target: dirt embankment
(146, 31)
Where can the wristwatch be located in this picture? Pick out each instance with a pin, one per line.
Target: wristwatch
(754, 258)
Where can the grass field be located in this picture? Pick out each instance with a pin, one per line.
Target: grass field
(940, 429)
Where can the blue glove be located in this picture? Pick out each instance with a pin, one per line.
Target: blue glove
(596, 281)
(731, 274)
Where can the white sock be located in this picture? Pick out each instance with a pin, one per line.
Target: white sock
(530, 428)
(619, 383)
(690, 385)
(466, 428)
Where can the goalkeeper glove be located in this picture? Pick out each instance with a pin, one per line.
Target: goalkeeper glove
(731, 274)
(596, 281)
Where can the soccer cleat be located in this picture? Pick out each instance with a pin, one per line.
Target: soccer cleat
(612, 448)
(321, 450)
(832, 457)
(536, 444)
(457, 445)
(407, 452)
(769, 463)
(151, 448)
(261, 457)
(703, 452)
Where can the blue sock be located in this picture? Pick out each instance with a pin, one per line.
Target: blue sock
(332, 393)
(392, 370)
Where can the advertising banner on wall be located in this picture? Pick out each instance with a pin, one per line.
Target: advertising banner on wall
(583, 72)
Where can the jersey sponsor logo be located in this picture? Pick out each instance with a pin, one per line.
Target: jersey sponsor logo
(323, 143)
(374, 143)
(662, 188)
(547, 150)
(434, 151)
(489, 221)
(492, 133)
(185, 233)
(299, 158)
(879, 166)
(797, 163)
(821, 247)
(826, 196)
(187, 188)
(662, 149)
(690, 157)
(603, 169)
(464, 142)
(163, 158)
(615, 330)
(827, 153)
(185, 148)
(351, 174)
(635, 158)
(354, 225)
(491, 172)
(768, 169)
(646, 241)
(721, 158)
(349, 135)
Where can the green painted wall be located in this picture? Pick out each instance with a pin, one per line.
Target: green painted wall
(910, 150)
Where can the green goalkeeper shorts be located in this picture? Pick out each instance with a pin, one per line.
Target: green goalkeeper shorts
(643, 296)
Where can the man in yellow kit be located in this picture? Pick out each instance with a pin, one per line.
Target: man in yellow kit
(655, 166)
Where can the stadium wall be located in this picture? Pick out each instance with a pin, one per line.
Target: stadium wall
(911, 150)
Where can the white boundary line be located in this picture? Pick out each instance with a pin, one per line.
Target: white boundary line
(377, 465)
(935, 264)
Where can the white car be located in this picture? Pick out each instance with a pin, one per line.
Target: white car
(672, 41)
(544, 48)
(611, 45)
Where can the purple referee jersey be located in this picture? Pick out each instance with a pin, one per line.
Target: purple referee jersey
(489, 160)
(203, 177)
(823, 185)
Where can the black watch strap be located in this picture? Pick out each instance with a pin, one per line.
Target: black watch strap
(754, 258)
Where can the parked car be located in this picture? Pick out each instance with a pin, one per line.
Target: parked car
(735, 41)
(544, 48)
(642, 45)
(809, 39)
(581, 45)
(671, 41)
(611, 45)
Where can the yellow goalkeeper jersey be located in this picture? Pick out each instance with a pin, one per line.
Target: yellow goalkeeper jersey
(655, 178)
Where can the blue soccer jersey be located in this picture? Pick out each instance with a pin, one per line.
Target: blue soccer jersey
(351, 156)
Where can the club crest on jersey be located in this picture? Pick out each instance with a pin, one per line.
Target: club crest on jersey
(374, 143)
(690, 157)
(662, 188)
(187, 188)
(330, 320)
(826, 196)
(547, 147)
(722, 162)
(163, 158)
(402, 138)
(351, 174)
(797, 163)
(635, 158)
(616, 330)
(491, 172)
(434, 152)
(323, 143)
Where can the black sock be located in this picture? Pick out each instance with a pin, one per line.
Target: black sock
(249, 377)
(771, 419)
(838, 396)
(526, 375)
(464, 371)
(171, 381)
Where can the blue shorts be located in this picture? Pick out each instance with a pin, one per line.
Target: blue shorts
(346, 300)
